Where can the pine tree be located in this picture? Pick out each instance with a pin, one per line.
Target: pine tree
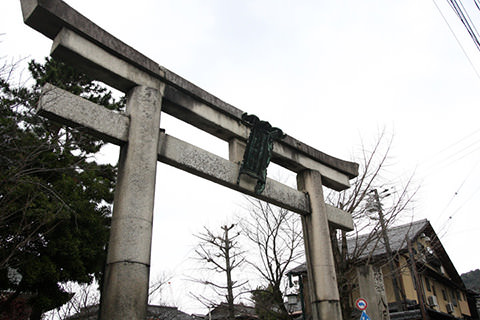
(55, 199)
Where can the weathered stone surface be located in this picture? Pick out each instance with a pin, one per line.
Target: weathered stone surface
(182, 98)
(128, 257)
(124, 279)
(236, 149)
(338, 218)
(130, 238)
(297, 161)
(367, 284)
(99, 63)
(318, 251)
(197, 161)
(64, 107)
(60, 105)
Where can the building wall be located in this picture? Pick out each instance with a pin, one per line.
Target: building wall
(387, 278)
(463, 304)
(445, 293)
(408, 282)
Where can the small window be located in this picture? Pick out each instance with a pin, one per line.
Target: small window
(459, 297)
(433, 290)
(420, 247)
(427, 283)
(444, 294)
(454, 298)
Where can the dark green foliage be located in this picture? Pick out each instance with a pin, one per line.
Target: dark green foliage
(472, 280)
(269, 303)
(55, 200)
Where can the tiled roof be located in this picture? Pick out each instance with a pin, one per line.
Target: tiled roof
(153, 313)
(375, 245)
(241, 312)
(397, 238)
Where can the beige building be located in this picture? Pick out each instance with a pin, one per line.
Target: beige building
(429, 287)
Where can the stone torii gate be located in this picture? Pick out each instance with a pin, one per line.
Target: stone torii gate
(150, 89)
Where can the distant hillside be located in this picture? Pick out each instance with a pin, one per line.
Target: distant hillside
(472, 280)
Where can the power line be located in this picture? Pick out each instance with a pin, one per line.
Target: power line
(446, 225)
(477, 3)
(457, 156)
(458, 141)
(451, 146)
(454, 156)
(458, 41)
(456, 193)
(470, 21)
(466, 21)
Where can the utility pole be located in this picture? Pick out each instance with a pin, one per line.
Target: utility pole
(418, 282)
(393, 269)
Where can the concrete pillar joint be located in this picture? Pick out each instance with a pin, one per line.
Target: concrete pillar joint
(133, 217)
(128, 261)
(325, 300)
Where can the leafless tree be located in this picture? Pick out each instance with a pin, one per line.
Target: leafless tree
(157, 287)
(221, 253)
(86, 299)
(276, 234)
(372, 213)
(84, 296)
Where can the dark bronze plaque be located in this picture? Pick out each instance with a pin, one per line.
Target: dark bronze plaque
(258, 150)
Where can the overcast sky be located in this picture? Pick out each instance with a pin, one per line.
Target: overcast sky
(329, 73)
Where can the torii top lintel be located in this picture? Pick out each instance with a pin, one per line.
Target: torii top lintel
(50, 16)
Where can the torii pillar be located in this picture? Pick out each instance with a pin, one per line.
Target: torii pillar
(322, 282)
(125, 289)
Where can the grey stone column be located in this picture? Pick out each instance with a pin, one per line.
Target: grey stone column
(322, 284)
(125, 290)
(370, 291)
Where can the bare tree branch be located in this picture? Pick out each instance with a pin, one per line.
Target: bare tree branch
(359, 202)
(221, 254)
(276, 234)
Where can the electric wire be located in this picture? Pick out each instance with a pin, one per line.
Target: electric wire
(470, 21)
(458, 141)
(457, 155)
(444, 164)
(458, 41)
(453, 154)
(445, 227)
(452, 157)
(451, 146)
(436, 159)
(459, 188)
(461, 14)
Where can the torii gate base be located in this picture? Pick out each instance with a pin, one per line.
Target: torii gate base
(151, 89)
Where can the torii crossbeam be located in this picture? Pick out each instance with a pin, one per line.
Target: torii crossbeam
(151, 89)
